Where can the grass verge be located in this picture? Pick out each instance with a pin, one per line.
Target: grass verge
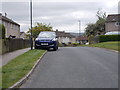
(19, 67)
(109, 45)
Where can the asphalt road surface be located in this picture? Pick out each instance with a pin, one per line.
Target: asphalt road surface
(76, 67)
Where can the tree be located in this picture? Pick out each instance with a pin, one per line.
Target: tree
(97, 28)
(100, 24)
(2, 31)
(38, 28)
(90, 29)
(101, 15)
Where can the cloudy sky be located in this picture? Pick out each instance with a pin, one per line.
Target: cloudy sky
(61, 14)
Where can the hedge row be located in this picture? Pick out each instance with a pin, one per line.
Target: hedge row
(2, 31)
(105, 38)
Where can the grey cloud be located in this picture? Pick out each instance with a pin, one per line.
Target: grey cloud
(16, 10)
(59, 12)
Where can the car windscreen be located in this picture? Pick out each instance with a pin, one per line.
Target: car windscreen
(47, 35)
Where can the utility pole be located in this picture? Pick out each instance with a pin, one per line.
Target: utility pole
(79, 29)
(31, 41)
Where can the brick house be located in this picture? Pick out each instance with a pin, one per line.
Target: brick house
(12, 28)
(23, 35)
(64, 37)
(82, 39)
(112, 23)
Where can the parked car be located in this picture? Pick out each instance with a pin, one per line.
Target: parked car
(113, 33)
(46, 40)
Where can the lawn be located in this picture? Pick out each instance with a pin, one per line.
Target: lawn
(19, 67)
(109, 45)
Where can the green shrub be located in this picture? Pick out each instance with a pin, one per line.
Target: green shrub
(75, 44)
(2, 31)
(60, 45)
(93, 39)
(105, 38)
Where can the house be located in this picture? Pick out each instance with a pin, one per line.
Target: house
(12, 28)
(82, 39)
(112, 23)
(23, 35)
(64, 37)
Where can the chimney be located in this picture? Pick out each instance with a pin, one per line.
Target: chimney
(56, 30)
(5, 14)
(0, 14)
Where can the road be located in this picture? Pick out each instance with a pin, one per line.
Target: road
(76, 67)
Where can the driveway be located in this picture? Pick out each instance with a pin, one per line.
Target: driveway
(76, 67)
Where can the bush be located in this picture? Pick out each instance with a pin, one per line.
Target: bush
(2, 31)
(60, 45)
(75, 44)
(105, 38)
(93, 39)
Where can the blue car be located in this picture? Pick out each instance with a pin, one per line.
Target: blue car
(46, 40)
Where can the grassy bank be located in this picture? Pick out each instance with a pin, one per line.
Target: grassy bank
(109, 45)
(19, 67)
(0, 46)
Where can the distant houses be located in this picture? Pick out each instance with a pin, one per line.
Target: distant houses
(112, 23)
(82, 39)
(68, 38)
(64, 37)
(23, 35)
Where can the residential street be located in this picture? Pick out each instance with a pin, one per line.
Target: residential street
(76, 67)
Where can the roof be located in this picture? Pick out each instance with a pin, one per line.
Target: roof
(64, 34)
(7, 19)
(22, 33)
(113, 18)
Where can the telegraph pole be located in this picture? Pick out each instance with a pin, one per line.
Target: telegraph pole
(79, 29)
(31, 41)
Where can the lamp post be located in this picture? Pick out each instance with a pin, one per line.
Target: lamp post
(31, 41)
(79, 30)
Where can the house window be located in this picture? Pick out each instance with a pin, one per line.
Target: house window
(8, 24)
(14, 27)
(11, 26)
(3, 23)
(117, 24)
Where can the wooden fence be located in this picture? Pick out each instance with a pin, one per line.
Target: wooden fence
(8, 45)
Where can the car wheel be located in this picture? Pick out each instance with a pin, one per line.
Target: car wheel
(55, 48)
(36, 47)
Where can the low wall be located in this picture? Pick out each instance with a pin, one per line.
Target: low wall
(9, 45)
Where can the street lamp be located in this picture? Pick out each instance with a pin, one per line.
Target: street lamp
(79, 30)
(31, 41)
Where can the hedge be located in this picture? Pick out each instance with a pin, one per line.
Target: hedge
(2, 31)
(105, 38)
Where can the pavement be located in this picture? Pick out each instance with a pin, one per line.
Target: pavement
(5, 58)
(76, 67)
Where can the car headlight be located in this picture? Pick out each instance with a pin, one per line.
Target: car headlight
(37, 39)
(55, 39)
